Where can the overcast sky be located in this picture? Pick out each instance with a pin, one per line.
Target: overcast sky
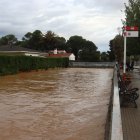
(94, 20)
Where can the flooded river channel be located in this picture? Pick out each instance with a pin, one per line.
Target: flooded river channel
(59, 104)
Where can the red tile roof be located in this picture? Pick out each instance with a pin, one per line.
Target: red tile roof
(60, 55)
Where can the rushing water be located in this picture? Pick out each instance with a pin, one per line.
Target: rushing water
(61, 104)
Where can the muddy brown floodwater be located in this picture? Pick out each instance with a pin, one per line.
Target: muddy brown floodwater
(62, 104)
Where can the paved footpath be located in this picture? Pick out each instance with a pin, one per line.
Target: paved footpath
(131, 115)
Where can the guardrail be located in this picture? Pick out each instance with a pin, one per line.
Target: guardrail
(116, 125)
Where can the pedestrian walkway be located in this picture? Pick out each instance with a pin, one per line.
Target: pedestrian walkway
(130, 115)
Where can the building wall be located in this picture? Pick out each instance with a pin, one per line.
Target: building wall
(32, 54)
(72, 57)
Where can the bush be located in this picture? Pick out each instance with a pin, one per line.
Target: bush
(15, 64)
(57, 62)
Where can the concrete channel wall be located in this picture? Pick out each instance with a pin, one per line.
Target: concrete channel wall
(91, 64)
(116, 123)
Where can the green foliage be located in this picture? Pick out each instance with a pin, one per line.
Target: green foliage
(111, 52)
(83, 49)
(43, 42)
(104, 57)
(132, 11)
(8, 40)
(74, 44)
(49, 41)
(116, 47)
(15, 64)
(32, 40)
(57, 62)
(89, 56)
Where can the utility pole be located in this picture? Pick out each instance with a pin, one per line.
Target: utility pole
(124, 59)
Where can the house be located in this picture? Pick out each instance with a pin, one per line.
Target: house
(17, 50)
(71, 56)
(55, 51)
(61, 54)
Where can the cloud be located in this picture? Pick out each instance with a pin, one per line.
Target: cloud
(95, 20)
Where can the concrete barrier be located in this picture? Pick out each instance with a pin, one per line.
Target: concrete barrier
(116, 123)
(91, 64)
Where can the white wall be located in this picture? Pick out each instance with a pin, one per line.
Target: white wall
(31, 54)
(72, 57)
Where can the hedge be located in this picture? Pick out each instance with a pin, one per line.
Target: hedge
(57, 62)
(15, 64)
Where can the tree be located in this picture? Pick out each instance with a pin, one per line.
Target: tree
(43, 42)
(52, 41)
(89, 56)
(60, 43)
(104, 56)
(116, 47)
(132, 11)
(28, 36)
(36, 39)
(32, 40)
(111, 52)
(74, 44)
(8, 40)
(83, 49)
(89, 52)
(49, 40)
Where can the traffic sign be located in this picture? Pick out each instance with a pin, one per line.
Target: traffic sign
(131, 28)
(131, 33)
